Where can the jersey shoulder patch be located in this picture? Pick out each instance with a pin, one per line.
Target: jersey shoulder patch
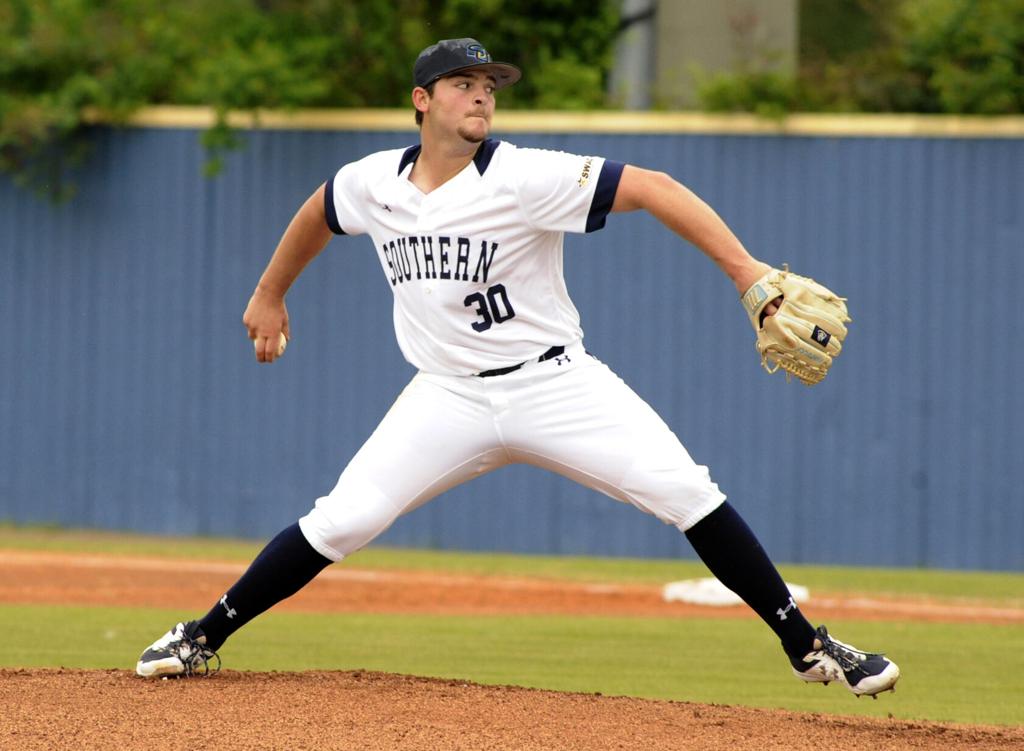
(555, 188)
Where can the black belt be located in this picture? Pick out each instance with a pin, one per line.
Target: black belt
(553, 352)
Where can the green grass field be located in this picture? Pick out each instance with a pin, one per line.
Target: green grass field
(967, 673)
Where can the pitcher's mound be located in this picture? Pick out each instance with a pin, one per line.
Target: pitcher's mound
(101, 710)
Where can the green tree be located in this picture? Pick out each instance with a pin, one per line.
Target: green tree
(61, 59)
(970, 53)
(925, 56)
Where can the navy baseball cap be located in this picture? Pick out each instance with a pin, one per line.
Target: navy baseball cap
(452, 55)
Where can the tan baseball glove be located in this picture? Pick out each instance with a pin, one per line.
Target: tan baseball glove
(806, 333)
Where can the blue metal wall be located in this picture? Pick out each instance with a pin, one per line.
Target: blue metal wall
(129, 397)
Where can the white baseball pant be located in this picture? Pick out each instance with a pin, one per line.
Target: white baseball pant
(569, 414)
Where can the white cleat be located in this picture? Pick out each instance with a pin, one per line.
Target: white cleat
(864, 673)
(180, 652)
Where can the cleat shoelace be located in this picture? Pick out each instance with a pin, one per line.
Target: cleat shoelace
(198, 660)
(846, 658)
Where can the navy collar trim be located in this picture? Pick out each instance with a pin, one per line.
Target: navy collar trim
(482, 159)
(483, 155)
(411, 155)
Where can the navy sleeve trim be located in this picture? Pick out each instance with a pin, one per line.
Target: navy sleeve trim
(604, 194)
(329, 210)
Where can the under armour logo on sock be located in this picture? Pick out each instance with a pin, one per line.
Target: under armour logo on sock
(782, 612)
(232, 612)
(563, 357)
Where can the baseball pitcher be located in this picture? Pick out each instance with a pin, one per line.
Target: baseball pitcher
(468, 231)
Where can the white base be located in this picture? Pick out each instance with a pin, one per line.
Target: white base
(712, 592)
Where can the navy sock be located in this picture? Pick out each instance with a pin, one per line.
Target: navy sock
(729, 548)
(283, 567)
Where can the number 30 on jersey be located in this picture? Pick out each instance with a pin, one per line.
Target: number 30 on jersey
(491, 307)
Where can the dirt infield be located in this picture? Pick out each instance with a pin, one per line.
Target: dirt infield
(89, 579)
(51, 710)
(106, 710)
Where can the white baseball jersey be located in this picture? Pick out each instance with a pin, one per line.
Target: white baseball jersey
(476, 264)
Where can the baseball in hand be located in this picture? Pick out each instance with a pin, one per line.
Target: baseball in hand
(281, 344)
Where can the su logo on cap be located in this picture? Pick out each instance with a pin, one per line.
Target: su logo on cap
(477, 52)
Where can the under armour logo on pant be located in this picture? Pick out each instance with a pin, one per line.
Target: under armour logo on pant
(782, 612)
(231, 611)
(563, 357)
